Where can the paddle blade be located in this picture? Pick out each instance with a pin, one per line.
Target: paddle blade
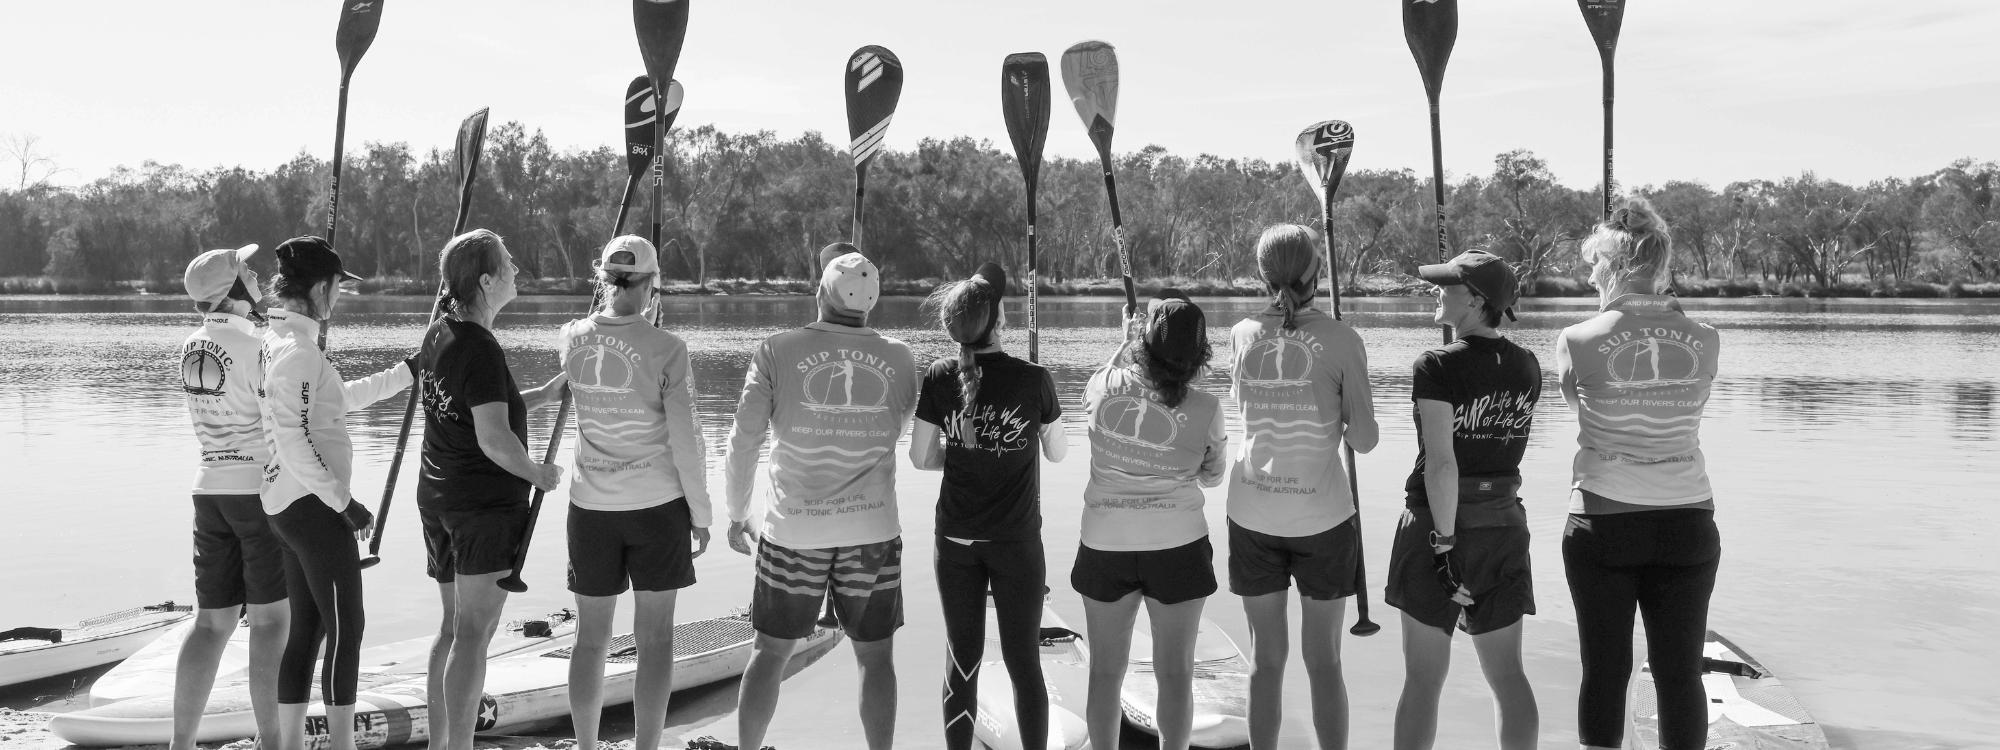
(471, 141)
(672, 108)
(1322, 151)
(1431, 27)
(874, 84)
(1090, 76)
(662, 27)
(358, 21)
(641, 117)
(1604, 17)
(1024, 101)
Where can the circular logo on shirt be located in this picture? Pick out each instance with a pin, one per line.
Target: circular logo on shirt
(202, 373)
(599, 369)
(1276, 362)
(1651, 362)
(846, 386)
(1138, 421)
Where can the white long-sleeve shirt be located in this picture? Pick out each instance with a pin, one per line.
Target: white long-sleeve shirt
(304, 412)
(638, 444)
(222, 373)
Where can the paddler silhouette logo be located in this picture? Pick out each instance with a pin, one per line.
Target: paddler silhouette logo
(846, 385)
(1139, 421)
(597, 368)
(1652, 362)
(1276, 362)
(202, 373)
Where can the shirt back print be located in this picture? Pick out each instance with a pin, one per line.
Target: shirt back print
(1493, 386)
(1291, 387)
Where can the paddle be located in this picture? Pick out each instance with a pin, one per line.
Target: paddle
(1024, 102)
(359, 19)
(1431, 27)
(874, 83)
(1090, 75)
(641, 117)
(1605, 17)
(471, 142)
(674, 96)
(1323, 150)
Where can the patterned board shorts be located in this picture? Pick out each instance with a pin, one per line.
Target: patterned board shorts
(866, 583)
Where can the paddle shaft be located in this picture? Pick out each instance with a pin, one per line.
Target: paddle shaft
(1362, 625)
(1437, 191)
(1034, 327)
(333, 184)
(512, 582)
(860, 200)
(1608, 192)
(1117, 229)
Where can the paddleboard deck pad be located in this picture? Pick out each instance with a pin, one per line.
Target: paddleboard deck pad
(1065, 672)
(1748, 707)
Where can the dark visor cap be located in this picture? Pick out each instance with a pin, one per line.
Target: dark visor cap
(311, 258)
(1485, 273)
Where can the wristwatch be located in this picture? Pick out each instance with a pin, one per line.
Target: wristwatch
(1440, 540)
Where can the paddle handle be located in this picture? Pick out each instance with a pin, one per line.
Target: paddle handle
(512, 582)
(1034, 282)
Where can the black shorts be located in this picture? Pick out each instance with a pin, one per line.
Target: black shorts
(1323, 563)
(471, 542)
(865, 583)
(1168, 576)
(650, 548)
(1492, 565)
(238, 560)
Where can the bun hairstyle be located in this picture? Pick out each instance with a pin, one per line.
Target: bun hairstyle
(1175, 349)
(1633, 243)
(1288, 261)
(464, 259)
(968, 311)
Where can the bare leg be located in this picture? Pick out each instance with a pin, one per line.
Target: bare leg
(1174, 629)
(758, 698)
(438, 713)
(479, 599)
(194, 671)
(291, 728)
(1426, 660)
(1319, 643)
(1109, 626)
(1270, 646)
(654, 629)
(1513, 698)
(877, 660)
(340, 727)
(586, 666)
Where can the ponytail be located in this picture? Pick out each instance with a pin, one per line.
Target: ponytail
(463, 261)
(968, 311)
(1288, 261)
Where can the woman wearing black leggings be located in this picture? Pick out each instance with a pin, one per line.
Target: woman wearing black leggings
(1641, 532)
(993, 412)
(306, 490)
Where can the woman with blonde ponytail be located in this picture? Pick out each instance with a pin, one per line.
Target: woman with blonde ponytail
(1641, 534)
(1300, 378)
(981, 418)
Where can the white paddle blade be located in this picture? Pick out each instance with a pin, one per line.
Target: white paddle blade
(1322, 151)
(674, 96)
(1090, 75)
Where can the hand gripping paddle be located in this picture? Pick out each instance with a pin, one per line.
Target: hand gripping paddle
(1323, 150)
(1090, 75)
(1024, 102)
(471, 143)
(1605, 18)
(873, 84)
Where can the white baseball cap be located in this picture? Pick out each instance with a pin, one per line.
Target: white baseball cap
(211, 275)
(851, 284)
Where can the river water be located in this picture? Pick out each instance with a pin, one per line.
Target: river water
(1852, 445)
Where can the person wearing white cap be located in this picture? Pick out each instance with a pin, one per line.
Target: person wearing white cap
(237, 559)
(639, 509)
(838, 395)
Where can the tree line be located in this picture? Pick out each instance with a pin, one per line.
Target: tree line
(753, 205)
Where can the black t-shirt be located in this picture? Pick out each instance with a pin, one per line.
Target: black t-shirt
(1492, 385)
(462, 366)
(992, 481)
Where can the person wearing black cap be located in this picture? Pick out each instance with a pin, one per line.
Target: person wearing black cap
(307, 491)
(1460, 556)
(981, 418)
(1155, 440)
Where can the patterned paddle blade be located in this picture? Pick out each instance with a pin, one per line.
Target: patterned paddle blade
(1090, 76)
(1323, 150)
(874, 83)
(641, 117)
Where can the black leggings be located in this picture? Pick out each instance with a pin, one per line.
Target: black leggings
(323, 580)
(1662, 563)
(1016, 573)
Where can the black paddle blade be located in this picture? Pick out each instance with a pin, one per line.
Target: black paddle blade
(471, 141)
(1322, 152)
(1090, 75)
(641, 117)
(358, 21)
(1431, 28)
(874, 84)
(1604, 17)
(662, 27)
(1024, 101)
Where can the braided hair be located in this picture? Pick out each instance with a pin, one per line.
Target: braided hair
(968, 311)
(1289, 264)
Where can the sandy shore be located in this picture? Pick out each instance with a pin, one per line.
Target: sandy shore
(28, 730)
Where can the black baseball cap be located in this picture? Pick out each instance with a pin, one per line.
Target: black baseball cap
(311, 258)
(1485, 273)
(1170, 316)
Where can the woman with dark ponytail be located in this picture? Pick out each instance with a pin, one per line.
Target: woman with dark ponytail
(981, 418)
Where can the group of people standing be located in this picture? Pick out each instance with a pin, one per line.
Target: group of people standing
(275, 518)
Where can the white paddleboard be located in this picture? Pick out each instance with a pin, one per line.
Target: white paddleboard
(1066, 673)
(93, 642)
(1751, 711)
(151, 669)
(1221, 687)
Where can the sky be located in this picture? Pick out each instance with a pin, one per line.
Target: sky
(1710, 90)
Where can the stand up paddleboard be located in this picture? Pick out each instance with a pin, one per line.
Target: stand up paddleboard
(524, 689)
(1748, 708)
(33, 653)
(1066, 672)
(1221, 687)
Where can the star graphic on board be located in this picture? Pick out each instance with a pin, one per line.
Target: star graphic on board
(489, 714)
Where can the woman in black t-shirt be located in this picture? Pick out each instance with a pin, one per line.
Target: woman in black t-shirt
(472, 494)
(981, 419)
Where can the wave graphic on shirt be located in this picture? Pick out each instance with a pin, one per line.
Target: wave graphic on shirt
(1275, 362)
